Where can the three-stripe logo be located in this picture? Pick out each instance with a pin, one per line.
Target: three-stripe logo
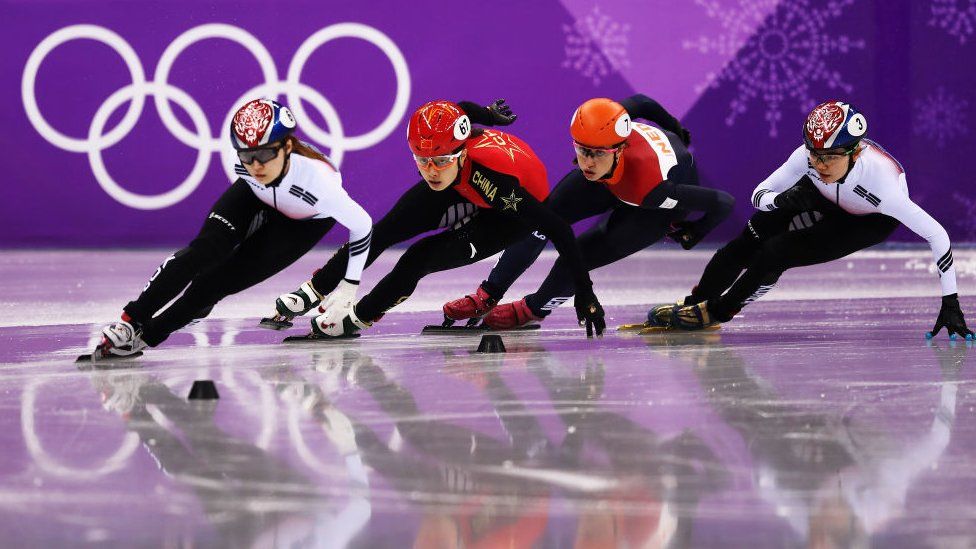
(945, 261)
(757, 198)
(360, 246)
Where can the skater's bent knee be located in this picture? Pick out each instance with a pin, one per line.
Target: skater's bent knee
(739, 246)
(210, 249)
(772, 260)
(415, 262)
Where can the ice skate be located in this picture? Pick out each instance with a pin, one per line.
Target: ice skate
(119, 340)
(472, 307)
(510, 316)
(693, 317)
(290, 305)
(660, 316)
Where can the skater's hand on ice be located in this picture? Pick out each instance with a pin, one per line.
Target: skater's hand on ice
(952, 319)
(340, 300)
(589, 312)
(685, 233)
(801, 197)
(337, 305)
(501, 114)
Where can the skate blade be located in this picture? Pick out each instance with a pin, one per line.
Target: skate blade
(313, 337)
(664, 329)
(431, 329)
(526, 328)
(272, 323)
(632, 327)
(108, 358)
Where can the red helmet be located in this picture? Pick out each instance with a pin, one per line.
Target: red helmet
(438, 128)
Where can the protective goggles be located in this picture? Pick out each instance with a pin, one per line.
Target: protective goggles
(828, 158)
(594, 152)
(262, 154)
(438, 162)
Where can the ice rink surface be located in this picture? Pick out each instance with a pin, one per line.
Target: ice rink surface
(819, 417)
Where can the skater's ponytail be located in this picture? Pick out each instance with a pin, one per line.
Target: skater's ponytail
(307, 150)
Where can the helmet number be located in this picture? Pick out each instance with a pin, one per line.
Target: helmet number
(622, 126)
(462, 128)
(857, 126)
(287, 120)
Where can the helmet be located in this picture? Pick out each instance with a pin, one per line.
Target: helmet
(259, 123)
(834, 124)
(600, 122)
(438, 128)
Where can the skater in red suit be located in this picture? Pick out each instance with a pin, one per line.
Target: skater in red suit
(485, 187)
(641, 177)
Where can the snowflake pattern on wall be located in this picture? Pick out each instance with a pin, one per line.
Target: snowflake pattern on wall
(941, 117)
(787, 52)
(956, 17)
(596, 45)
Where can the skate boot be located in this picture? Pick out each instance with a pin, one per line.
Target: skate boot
(120, 340)
(660, 316)
(693, 317)
(324, 328)
(290, 305)
(471, 307)
(511, 315)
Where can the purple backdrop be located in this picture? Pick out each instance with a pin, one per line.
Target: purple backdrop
(741, 74)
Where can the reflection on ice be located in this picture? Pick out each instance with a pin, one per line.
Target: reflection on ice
(804, 423)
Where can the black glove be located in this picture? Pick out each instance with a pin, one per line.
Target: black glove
(684, 135)
(801, 197)
(951, 318)
(501, 114)
(589, 312)
(685, 233)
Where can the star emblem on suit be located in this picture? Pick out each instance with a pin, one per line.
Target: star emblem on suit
(491, 139)
(511, 202)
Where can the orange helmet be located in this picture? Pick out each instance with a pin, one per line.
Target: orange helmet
(601, 123)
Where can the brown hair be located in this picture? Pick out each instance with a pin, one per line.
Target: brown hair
(307, 150)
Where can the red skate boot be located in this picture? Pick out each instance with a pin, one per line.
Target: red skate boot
(511, 315)
(470, 307)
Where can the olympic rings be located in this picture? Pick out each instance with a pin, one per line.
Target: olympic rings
(57, 38)
(131, 199)
(202, 139)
